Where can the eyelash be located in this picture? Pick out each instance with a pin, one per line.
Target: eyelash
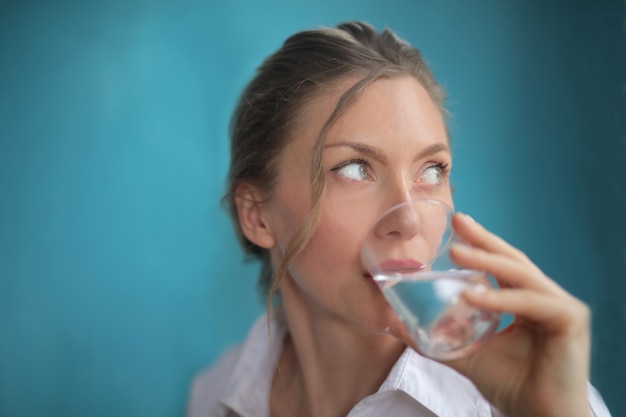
(361, 161)
(443, 167)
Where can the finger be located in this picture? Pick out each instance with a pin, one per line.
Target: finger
(508, 272)
(476, 235)
(558, 315)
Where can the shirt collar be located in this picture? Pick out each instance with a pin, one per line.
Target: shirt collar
(251, 380)
(439, 388)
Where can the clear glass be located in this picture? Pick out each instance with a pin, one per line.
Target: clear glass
(407, 253)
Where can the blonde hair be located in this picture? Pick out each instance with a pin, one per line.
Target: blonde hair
(272, 103)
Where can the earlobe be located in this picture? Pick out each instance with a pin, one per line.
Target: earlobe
(249, 203)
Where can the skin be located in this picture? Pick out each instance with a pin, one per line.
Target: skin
(539, 366)
(340, 324)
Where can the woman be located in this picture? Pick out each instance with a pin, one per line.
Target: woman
(337, 126)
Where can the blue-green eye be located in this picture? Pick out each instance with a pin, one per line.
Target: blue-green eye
(357, 170)
(435, 174)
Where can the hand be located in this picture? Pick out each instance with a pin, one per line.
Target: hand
(539, 365)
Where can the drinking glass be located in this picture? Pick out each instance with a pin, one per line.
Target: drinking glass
(407, 254)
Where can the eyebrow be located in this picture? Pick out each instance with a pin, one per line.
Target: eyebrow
(378, 155)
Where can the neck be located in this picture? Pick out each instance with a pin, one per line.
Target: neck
(328, 365)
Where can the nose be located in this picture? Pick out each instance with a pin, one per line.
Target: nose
(399, 222)
(401, 219)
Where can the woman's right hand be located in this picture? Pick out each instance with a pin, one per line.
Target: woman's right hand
(539, 365)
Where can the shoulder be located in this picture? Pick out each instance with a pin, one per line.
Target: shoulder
(235, 382)
(210, 386)
(596, 403)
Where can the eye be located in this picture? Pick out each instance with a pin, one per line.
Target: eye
(435, 174)
(356, 170)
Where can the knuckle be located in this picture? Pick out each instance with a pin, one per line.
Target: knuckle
(580, 316)
(521, 255)
(526, 298)
(583, 312)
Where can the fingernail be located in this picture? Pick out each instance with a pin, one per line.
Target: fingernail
(460, 247)
(476, 290)
(469, 218)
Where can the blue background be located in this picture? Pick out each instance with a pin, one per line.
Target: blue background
(120, 277)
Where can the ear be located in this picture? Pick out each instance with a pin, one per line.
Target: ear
(249, 201)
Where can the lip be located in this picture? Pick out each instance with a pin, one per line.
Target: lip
(399, 266)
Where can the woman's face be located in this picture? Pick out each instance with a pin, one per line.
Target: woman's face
(389, 146)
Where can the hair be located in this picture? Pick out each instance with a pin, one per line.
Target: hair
(271, 106)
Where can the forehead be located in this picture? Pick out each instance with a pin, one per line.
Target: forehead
(317, 109)
(387, 106)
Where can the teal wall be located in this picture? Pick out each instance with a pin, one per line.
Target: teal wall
(119, 274)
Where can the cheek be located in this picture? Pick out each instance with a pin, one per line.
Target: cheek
(329, 266)
(447, 198)
(287, 214)
(336, 243)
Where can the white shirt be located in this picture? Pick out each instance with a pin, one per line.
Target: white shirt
(239, 385)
